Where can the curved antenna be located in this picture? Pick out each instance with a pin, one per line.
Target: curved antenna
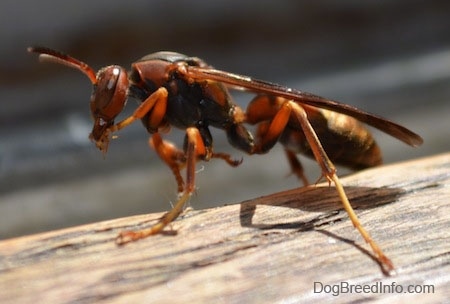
(46, 54)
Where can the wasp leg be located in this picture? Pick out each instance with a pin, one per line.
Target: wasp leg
(296, 166)
(175, 158)
(157, 102)
(227, 158)
(329, 172)
(264, 144)
(195, 149)
(260, 111)
(171, 155)
(269, 133)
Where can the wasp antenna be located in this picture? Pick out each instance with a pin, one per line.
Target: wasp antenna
(49, 55)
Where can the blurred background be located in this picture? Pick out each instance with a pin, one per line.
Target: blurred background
(387, 57)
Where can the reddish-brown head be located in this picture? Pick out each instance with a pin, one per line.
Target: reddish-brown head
(109, 94)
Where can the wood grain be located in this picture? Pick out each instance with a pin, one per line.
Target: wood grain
(270, 249)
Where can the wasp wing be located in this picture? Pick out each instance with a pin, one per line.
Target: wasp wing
(260, 86)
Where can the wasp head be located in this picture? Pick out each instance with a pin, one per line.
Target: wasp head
(109, 94)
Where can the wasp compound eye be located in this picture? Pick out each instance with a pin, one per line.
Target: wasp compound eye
(109, 93)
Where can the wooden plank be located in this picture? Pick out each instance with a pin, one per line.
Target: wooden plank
(278, 248)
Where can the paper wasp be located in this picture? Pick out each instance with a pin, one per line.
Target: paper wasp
(179, 91)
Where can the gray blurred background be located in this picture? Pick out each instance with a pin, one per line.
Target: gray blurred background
(387, 57)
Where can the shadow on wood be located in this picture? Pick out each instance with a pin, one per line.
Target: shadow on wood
(316, 199)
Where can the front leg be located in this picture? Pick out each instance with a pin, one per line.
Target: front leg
(157, 102)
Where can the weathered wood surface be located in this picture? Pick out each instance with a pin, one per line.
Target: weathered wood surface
(267, 250)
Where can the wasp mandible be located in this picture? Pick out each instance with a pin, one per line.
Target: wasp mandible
(179, 91)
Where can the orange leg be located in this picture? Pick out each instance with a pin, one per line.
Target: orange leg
(195, 149)
(296, 166)
(258, 111)
(291, 109)
(171, 155)
(268, 132)
(176, 158)
(156, 101)
(226, 157)
(329, 172)
(262, 108)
